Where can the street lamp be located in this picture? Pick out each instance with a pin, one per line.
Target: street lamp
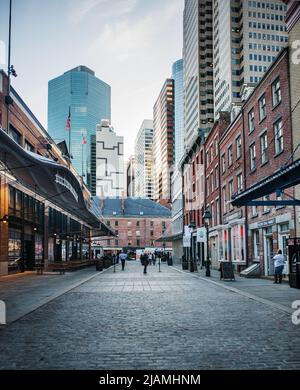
(206, 219)
(192, 226)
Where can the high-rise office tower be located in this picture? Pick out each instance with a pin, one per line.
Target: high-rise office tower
(89, 101)
(177, 76)
(110, 161)
(198, 68)
(144, 160)
(130, 177)
(163, 143)
(248, 35)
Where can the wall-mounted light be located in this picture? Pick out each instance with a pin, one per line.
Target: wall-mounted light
(4, 219)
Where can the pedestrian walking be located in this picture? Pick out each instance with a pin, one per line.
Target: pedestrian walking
(123, 257)
(146, 262)
(279, 261)
(153, 258)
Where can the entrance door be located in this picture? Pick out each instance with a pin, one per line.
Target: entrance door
(268, 254)
(29, 261)
(283, 246)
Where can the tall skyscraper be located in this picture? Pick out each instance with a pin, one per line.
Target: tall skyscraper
(163, 143)
(176, 184)
(110, 161)
(89, 100)
(248, 35)
(144, 161)
(130, 177)
(198, 68)
(177, 76)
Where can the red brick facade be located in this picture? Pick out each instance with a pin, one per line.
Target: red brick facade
(138, 233)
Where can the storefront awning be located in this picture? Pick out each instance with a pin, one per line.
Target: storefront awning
(286, 177)
(49, 179)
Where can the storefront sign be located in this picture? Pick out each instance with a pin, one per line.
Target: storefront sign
(187, 231)
(64, 182)
(186, 241)
(201, 235)
(270, 222)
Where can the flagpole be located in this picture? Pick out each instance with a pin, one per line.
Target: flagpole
(82, 157)
(70, 137)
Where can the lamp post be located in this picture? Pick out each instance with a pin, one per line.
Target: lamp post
(206, 219)
(192, 226)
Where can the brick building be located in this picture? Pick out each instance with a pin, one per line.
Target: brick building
(232, 237)
(44, 206)
(193, 172)
(269, 146)
(137, 222)
(212, 183)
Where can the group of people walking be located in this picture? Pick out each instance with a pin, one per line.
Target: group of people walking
(146, 259)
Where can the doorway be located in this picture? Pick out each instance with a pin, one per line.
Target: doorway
(268, 252)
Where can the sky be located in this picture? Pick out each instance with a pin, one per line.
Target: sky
(130, 44)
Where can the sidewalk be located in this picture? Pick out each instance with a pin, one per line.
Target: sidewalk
(263, 290)
(24, 293)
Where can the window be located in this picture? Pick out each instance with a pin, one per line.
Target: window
(264, 148)
(217, 176)
(223, 163)
(278, 136)
(230, 191)
(211, 153)
(212, 182)
(137, 223)
(129, 223)
(207, 186)
(28, 146)
(254, 211)
(239, 182)
(256, 244)
(138, 242)
(116, 242)
(116, 223)
(224, 200)
(252, 154)
(212, 208)
(218, 211)
(276, 92)
(251, 120)
(262, 107)
(216, 147)
(15, 135)
(230, 156)
(238, 147)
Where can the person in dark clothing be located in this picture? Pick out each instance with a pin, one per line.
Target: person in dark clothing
(123, 257)
(146, 262)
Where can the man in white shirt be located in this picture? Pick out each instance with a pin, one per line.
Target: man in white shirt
(278, 265)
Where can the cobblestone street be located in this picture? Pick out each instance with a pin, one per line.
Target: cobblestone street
(167, 320)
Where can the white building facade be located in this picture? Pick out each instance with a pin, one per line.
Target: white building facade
(109, 161)
(143, 183)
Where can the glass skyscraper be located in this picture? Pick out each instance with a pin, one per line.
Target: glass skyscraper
(177, 75)
(89, 99)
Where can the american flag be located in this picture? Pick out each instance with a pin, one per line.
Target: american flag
(68, 124)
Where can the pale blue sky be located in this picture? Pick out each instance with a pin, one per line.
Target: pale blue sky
(130, 44)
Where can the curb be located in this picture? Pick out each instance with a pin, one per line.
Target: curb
(242, 293)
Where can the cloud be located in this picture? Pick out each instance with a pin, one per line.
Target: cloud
(125, 37)
(80, 9)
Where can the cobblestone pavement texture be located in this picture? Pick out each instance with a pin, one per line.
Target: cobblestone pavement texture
(167, 320)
